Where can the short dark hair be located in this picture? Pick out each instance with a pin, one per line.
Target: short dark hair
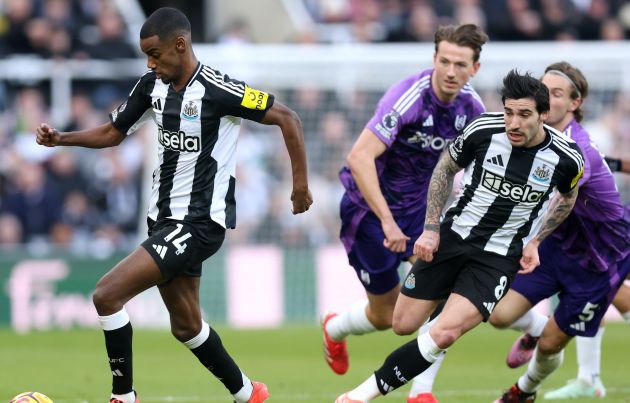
(519, 86)
(466, 35)
(579, 85)
(165, 22)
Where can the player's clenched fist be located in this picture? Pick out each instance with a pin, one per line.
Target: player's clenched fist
(426, 244)
(47, 136)
(302, 200)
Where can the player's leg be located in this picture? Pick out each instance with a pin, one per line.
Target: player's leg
(589, 348)
(588, 382)
(413, 308)
(134, 274)
(473, 277)
(364, 316)
(493, 274)
(181, 297)
(510, 311)
(421, 390)
(189, 245)
(514, 311)
(479, 288)
(407, 358)
(588, 354)
(548, 357)
(377, 269)
(459, 315)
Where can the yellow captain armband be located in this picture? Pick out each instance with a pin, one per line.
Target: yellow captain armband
(254, 99)
(577, 177)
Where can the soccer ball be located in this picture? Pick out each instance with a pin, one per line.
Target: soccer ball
(31, 397)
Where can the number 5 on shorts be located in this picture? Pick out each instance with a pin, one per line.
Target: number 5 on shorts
(588, 312)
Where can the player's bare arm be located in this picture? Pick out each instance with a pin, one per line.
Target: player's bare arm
(102, 136)
(559, 208)
(440, 188)
(291, 127)
(361, 159)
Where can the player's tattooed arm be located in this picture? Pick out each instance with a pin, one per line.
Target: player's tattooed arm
(559, 209)
(440, 188)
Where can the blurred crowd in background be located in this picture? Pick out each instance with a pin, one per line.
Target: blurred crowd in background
(503, 20)
(92, 200)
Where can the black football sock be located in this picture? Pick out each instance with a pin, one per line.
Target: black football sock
(400, 367)
(208, 348)
(118, 343)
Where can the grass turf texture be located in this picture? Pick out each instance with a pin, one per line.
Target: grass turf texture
(71, 367)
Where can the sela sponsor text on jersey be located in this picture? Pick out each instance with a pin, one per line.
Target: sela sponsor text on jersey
(507, 189)
(178, 141)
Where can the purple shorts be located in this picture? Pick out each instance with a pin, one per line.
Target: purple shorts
(583, 295)
(362, 235)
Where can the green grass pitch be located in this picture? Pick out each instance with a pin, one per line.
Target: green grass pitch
(70, 366)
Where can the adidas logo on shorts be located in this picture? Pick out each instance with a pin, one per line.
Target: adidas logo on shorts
(161, 250)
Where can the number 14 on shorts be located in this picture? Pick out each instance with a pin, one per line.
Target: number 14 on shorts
(179, 244)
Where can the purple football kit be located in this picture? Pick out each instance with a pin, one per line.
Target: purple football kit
(587, 258)
(416, 127)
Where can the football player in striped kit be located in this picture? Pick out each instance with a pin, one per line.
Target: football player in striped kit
(507, 206)
(386, 180)
(585, 261)
(198, 112)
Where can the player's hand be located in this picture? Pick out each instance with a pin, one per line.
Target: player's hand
(302, 200)
(530, 259)
(47, 136)
(426, 245)
(395, 240)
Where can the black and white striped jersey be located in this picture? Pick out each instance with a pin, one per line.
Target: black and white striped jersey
(505, 189)
(198, 128)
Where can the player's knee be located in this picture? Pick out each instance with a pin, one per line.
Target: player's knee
(382, 323)
(403, 327)
(549, 346)
(401, 330)
(499, 321)
(98, 300)
(444, 338)
(103, 302)
(381, 320)
(184, 332)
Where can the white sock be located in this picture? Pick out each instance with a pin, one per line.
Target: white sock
(428, 348)
(423, 382)
(367, 391)
(354, 321)
(540, 367)
(626, 316)
(532, 322)
(115, 320)
(243, 395)
(200, 338)
(589, 352)
(427, 325)
(127, 397)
